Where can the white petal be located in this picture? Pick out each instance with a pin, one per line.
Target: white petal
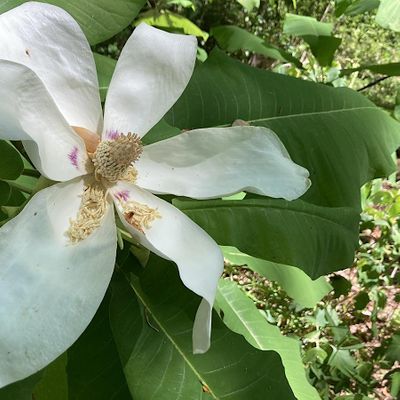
(49, 289)
(176, 237)
(27, 112)
(216, 162)
(152, 72)
(48, 40)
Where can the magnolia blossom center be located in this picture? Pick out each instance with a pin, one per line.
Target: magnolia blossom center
(113, 158)
(110, 161)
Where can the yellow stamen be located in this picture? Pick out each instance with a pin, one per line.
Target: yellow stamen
(91, 212)
(113, 158)
(139, 215)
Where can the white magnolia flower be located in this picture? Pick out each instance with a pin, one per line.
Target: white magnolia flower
(57, 256)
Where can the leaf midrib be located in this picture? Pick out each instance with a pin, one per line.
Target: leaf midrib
(148, 306)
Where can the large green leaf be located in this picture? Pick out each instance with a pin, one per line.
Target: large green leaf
(21, 390)
(317, 34)
(336, 133)
(54, 382)
(94, 369)
(99, 19)
(388, 14)
(232, 38)
(155, 344)
(316, 239)
(391, 69)
(242, 316)
(11, 164)
(294, 281)
(172, 22)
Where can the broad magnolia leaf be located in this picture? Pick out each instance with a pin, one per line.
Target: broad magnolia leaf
(21, 390)
(317, 34)
(54, 382)
(294, 281)
(94, 369)
(11, 164)
(172, 22)
(105, 68)
(249, 5)
(316, 239)
(99, 19)
(391, 69)
(242, 316)
(153, 332)
(388, 14)
(342, 138)
(232, 38)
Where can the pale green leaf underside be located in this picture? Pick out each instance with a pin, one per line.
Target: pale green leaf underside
(298, 285)
(388, 14)
(242, 316)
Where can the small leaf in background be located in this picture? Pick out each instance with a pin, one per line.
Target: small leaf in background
(183, 3)
(249, 5)
(352, 8)
(232, 38)
(242, 316)
(388, 14)
(361, 300)
(11, 164)
(317, 34)
(393, 351)
(299, 286)
(341, 285)
(105, 68)
(391, 69)
(172, 22)
(395, 384)
(151, 320)
(99, 19)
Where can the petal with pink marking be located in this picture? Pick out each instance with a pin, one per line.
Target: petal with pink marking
(50, 42)
(30, 114)
(49, 289)
(176, 237)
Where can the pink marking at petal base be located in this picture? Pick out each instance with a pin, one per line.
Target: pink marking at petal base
(122, 195)
(112, 134)
(73, 157)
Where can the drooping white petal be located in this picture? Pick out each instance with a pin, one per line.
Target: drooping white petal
(49, 289)
(216, 162)
(28, 113)
(152, 72)
(176, 237)
(49, 41)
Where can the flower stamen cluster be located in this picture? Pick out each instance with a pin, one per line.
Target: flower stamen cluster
(91, 212)
(139, 215)
(113, 158)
